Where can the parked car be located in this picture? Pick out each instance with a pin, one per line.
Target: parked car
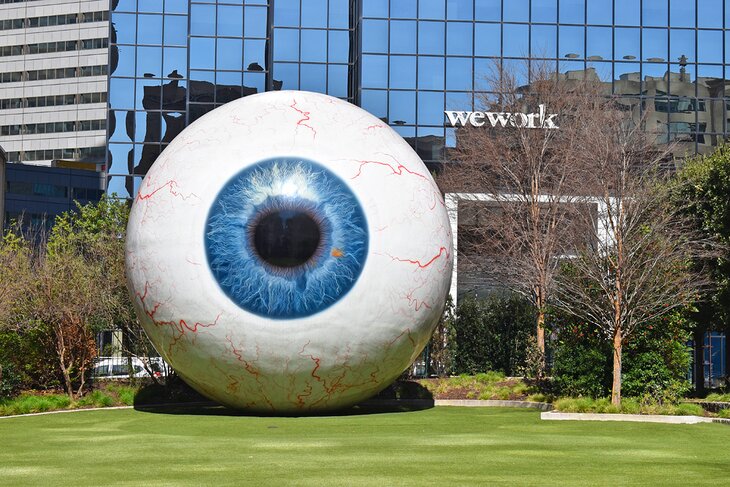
(118, 367)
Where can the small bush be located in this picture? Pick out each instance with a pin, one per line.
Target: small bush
(716, 397)
(629, 405)
(724, 413)
(687, 409)
(97, 398)
(492, 334)
(26, 404)
(10, 380)
(539, 397)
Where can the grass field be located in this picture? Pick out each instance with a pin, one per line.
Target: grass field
(439, 446)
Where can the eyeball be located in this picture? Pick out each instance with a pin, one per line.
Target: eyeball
(289, 252)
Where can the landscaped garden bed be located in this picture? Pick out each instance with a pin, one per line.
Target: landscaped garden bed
(107, 395)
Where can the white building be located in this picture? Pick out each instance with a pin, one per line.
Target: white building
(54, 59)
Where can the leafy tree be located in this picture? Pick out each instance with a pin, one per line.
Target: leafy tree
(655, 361)
(493, 334)
(702, 189)
(73, 286)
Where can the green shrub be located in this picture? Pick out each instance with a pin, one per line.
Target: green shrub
(716, 397)
(581, 362)
(687, 409)
(492, 334)
(10, 380)
(724, 413)
(655, 360)
(97, 398)
(27, 403)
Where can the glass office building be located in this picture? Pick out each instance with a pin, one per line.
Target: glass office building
(407, 61)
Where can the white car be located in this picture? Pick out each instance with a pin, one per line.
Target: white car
(118, 367)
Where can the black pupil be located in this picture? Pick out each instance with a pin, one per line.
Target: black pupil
(286, 238)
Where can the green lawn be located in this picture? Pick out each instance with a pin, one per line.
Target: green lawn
(440, 446)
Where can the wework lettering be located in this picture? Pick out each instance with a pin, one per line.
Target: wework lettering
(539, 120)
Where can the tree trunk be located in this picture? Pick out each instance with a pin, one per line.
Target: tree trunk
(61, 348)
(699, 359)
(727, 356)
(541, 341)
(617, 350)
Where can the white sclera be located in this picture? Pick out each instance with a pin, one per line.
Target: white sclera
(331, 359)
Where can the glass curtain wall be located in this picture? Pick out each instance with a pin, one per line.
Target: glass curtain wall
(669, 57)
(406, 61)
(172, 61)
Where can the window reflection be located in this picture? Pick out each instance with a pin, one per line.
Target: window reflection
(545, 11)
(599, 12)
(339, 46)
(375, 8)
(286, 14)
(402, 37)
(459, 38)
(682, 14)
(487, 39)
(288, 75)
(431, 108)
(571, 41)
(176, 30)
(431, 37)
(458, 73)
(655, 13)
(402, 72)
(255, 22)
(544, 41)
(254, 55)
(459, 9)
(202, 20)
(314, 13)
(488, 10)
(708, 13)
(375, 36)
(627, 12)
(598, 43)
(313, 77)
(402, 107)
(375, 102)
(432, 9)
(229, 21)
(654, 45)
(403, 9)
(430, 143)
(374, 71)
(709, 46)
(201, 53)
(430, 73)
(229, 53)
(572, 11)
(516, 11)
(515, 40)
(286, 47)
(125, 28)
(337, 78)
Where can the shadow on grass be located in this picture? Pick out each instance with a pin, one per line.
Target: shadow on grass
(179, 399)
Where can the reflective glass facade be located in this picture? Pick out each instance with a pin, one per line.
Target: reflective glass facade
(406, 61)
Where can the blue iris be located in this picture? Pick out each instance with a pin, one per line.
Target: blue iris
(295, 207)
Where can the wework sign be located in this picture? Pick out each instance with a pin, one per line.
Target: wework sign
(538, 120)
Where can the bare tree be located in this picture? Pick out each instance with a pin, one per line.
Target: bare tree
(73, 285)
(638, 252)
(529, 170)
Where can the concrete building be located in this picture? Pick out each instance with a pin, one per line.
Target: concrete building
(53, 80)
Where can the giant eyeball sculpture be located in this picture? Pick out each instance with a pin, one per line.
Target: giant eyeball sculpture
(289, 253)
